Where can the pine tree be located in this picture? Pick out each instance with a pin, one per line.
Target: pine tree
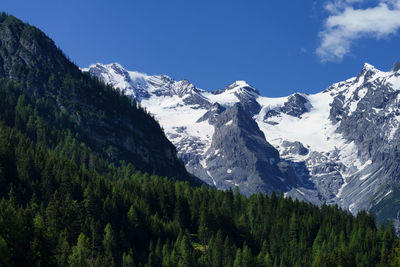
(203, 230)
(294, 238)
(238, 259)
(63, 249)
(5, 254)
(80, 256)
(228, 253)
(127, 259)
(247, 257)
(109, 244)
(217, 249)
(186, 253)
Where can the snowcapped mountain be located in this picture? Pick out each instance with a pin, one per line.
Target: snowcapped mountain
(340, 146)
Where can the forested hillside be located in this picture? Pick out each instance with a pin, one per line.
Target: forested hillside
(54, 211)
(56, 98)
(72, 193)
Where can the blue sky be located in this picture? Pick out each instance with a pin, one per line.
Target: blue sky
(279, 47)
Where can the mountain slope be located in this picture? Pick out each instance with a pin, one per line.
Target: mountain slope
(240, 155)
(339, 146)
(57, 213)
(110, 124)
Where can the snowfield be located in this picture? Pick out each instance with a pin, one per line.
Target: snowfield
(333, 167)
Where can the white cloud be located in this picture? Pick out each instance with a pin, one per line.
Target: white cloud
(347, 23)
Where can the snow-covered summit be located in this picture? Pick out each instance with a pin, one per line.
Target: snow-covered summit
(335, 141)
(138, 84)
(239, 85)
(368, 67)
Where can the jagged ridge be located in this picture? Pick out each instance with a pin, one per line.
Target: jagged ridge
(328, 140)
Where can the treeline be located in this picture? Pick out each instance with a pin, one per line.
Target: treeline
(54, 211)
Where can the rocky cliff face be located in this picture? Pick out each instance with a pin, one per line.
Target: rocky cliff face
(339, 146)
(368, 114)
(240, 156)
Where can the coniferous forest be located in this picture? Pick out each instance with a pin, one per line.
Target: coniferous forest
(69, 196)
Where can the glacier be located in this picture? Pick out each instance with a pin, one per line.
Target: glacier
(338, 146)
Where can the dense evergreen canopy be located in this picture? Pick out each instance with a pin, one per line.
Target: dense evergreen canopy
(55, 211)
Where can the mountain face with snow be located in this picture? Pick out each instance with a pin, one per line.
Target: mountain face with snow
(340, 146)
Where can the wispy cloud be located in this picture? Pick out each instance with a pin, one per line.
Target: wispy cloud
(348, 23)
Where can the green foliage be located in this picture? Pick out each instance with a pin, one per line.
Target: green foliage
(81, 253)
(56, 212)
(127, 260)
(5, 254)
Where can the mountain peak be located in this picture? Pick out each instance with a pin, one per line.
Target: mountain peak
(100, 65)
(367, 71)
(103, 68)
(240, 86)
(367, 67)
(241, 83)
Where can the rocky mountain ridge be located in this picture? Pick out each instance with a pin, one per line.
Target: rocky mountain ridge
(339, 146)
